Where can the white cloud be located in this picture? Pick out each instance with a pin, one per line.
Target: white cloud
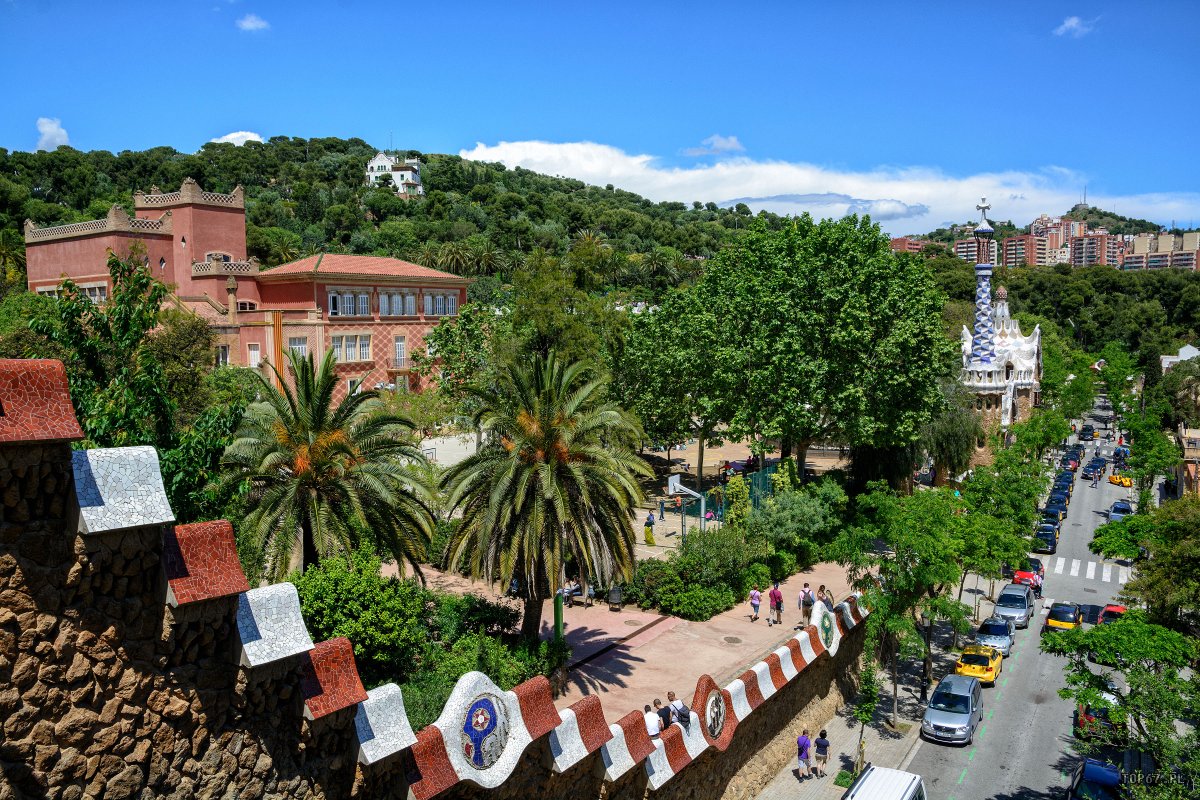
(901, 199)
(52, 134)
(715, 145)
(239, 137)
(252, 22)
(1075, 27)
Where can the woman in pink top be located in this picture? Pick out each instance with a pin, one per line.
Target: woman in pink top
(755, 601)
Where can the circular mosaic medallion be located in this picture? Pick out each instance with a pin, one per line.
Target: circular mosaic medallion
(827, 629)
(484, 731)
(714, 713)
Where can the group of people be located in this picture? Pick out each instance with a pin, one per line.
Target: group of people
(812, 755)
(775, 597)
(659, 717)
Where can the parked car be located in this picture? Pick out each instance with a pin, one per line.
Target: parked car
(1052, 521)
(1052, 508)
(1069, 463)
(882, 783)
(1087, 432)
(1093, 720)
(1110, 613)
(1120, 510)
(1094, 780)
(996, 632)
(1015, 603)
(1060, 497)
(955, 710)
(1092, 470)
(1063, 617)
(1045, 543)
(980, 661)
(1049, 530)
(1067, 475)
(1064, 482)
(1120, 479)
(1035, 565)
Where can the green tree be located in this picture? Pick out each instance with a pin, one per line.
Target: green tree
(184, 345)
(332, 475)
(1167, 581)
(118, 387)
(950, 436)
(555, 479)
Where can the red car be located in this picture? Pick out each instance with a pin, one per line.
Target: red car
(1110, 613)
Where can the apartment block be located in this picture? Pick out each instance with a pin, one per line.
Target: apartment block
(1025, 251)
(967, 250)
(908, 244)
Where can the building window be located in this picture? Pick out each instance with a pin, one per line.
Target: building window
(48, 292)
(364, 348)
(162, 263)
(97, 294)
(298, 345)
(337, 348)
(222, 355)
(364, 305)
(253, 355)
(439, 306)
(452, 305)
(353, 385)
(347, 305)
(429, 305)
(352, 348)
(410, 305)
(247, 305)
(400, 352)
(384, 305)
(334, 305)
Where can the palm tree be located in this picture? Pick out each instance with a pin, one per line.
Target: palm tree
(556, 478)
(487, 259)
(337, 475)
(454, 257)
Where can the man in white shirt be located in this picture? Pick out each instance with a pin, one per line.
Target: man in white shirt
(653, 723)
(678, 709)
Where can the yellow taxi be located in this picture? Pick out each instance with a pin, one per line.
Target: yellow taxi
(1064, 617)
(1117, 479)
(980, 661)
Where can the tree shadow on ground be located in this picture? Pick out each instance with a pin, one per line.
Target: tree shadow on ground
(604, 668)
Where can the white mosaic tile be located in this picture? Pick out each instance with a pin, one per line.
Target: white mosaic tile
(615, 754)
(270, 625)
(119, 488)
(827, 628)
(382, 725)
(737, 694)
(658, 768)
(483, 730)
(566, 743)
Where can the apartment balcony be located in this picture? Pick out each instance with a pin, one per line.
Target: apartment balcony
(398, 364)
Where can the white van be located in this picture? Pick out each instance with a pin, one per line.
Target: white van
(881, 783)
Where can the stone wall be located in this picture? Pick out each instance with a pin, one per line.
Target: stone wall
(136, 662)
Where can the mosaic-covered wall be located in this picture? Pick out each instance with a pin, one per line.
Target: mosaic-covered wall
(136, 661)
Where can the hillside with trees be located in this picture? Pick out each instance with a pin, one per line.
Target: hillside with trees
(1111, 221)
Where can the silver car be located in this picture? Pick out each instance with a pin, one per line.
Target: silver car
(1015, 603)
(954, 711)
(996, 632)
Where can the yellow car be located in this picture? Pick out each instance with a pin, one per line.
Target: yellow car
(1064, 617)
(1117, 479)
(979, 661)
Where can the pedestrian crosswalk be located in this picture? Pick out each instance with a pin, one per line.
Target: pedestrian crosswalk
(1072, 566)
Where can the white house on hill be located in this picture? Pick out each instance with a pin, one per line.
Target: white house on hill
(404, 174)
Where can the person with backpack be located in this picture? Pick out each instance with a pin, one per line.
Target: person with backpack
(807, 598)
(649, 530)
(776, 598)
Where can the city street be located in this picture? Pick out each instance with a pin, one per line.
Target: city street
(1024, 747)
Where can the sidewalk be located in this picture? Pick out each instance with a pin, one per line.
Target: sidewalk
(885, 748)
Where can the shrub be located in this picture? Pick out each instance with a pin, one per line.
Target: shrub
(755, 575)
(651, 580)
(442, 531)
(782, 565)
(699, 602)
(458, 615)
(385, 618)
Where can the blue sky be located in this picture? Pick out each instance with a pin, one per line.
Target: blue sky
(908, 110)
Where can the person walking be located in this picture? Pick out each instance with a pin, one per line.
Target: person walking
(755, 601)
(821, 750)
(776, 598)
(807, 598)
(650, 529)
(824, 597)
(803, 756)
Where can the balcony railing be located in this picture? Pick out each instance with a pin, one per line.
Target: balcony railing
(399, 363)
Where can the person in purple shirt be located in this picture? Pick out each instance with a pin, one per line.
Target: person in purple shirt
(803, 745)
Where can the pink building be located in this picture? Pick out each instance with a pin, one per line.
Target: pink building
(371, 311)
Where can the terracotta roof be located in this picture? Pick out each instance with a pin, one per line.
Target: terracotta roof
(325, 264)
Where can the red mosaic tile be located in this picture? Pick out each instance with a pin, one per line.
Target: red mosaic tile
(753, 695)
(676, 751)
(705, 686)
(593, 728)
(201, 562)
(637, 741)
(35, 403)
(435, 773)
(329, 678)
(537, 706)
(814, 638)
(776, 670)
(798, 661)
